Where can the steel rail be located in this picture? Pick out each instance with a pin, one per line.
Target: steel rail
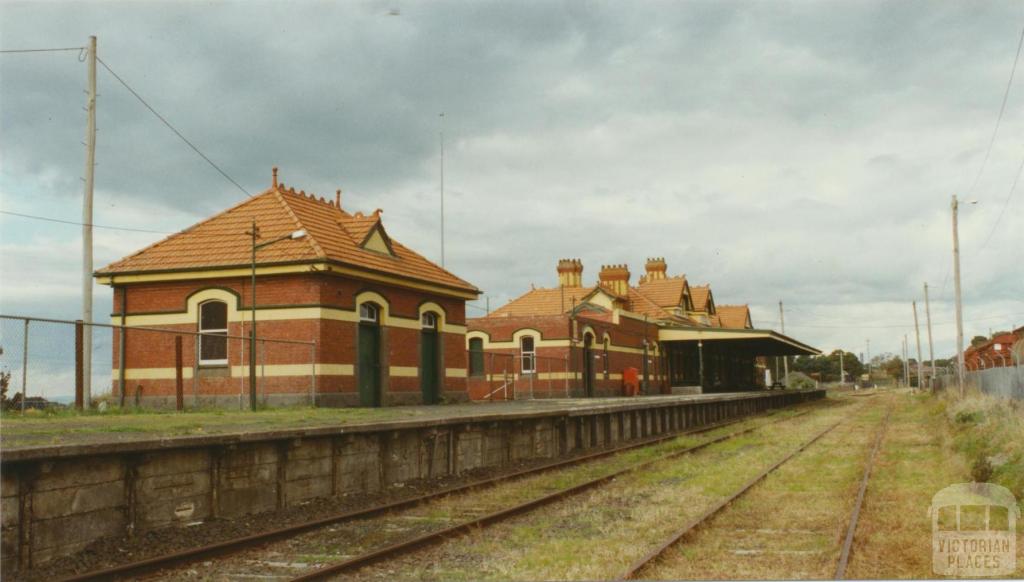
(241, 543)
(439, 536)
(654, 554)
(844, 554)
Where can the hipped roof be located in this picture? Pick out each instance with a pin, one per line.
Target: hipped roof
(332, 235)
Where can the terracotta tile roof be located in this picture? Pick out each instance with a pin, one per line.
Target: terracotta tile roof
(700, 294)
(333, 235)
(734, 316)
(543, 301)
(666, 292)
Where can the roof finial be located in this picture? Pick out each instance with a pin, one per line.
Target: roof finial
(275, 176)
(337, 198)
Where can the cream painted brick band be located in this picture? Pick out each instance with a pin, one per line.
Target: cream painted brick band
(276, 370)
(404, 371)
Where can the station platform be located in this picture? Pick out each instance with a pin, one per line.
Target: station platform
(98, 483)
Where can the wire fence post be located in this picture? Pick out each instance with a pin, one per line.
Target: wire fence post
(79, 365)
(179, 389)
(24, 368)
(312, 374)
(121, 366)
(262, 383)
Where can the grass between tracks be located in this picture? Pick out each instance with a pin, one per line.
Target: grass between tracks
(790, 526)
(361, 536)
(598, 533)
(894, 537)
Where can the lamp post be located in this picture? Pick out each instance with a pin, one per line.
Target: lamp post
(252, 331)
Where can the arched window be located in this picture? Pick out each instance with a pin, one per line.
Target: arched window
(428, 320)
(476, 357)
(528, 354)
(213, 325)
(369, 313)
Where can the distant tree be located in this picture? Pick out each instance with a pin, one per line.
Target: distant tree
(5, 383)
(827, 366)
(893, 367)
(978, 340)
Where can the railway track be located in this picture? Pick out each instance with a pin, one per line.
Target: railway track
(647, 561)
(236, 545)
(851, 530)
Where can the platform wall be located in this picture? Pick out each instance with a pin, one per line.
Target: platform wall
(56, 503)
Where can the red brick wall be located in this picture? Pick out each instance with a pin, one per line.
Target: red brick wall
(628, 333)
(336, 340)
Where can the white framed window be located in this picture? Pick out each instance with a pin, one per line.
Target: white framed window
(428, 320)
(369, 313)
(213, 325)
(528, 354)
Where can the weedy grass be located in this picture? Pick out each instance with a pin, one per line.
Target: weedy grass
(595, 535)
(791, 524)
(894, 537)
(989, 432)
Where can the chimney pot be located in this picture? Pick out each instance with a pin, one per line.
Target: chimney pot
(337, 198)
(275, 176)
(570, 273)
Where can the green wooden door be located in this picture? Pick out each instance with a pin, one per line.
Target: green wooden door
(369, 364)
(588, 365)
(430, 359)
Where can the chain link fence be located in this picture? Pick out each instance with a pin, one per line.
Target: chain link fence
(498, 376)
(47, 362)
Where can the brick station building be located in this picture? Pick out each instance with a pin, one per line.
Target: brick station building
(388, 324)
(579, 340)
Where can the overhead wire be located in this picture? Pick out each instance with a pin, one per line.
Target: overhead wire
(43, 50)
(172, 128)
(1006, 204)
(48, 219)
(999, 118)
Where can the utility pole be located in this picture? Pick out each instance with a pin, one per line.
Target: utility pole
(90, 167)
(959, 306)
(906, 362)
(842, 371)
(868, 361)
(931, 349)
(920, 364)
(442, 189)
(785, 359)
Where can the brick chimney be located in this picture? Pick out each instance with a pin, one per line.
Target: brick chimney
(656, 269)
(615, 278)
(570, 273)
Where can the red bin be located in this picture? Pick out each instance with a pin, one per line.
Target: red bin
(630, 382)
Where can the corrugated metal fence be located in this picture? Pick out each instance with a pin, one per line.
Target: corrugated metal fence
(1002, 381)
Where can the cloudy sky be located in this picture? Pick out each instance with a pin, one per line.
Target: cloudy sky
(803, 152)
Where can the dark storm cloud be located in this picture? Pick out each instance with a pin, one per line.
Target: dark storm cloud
(777, 150)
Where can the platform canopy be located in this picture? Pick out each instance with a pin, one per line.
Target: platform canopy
(753, 342)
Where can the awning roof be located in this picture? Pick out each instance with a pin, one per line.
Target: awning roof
(754, 342)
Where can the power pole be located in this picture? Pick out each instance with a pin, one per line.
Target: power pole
(868, 361)
(90, 167)
(959, 307)
(906, 363)
(931, 349)
(842, 372)
(442, 189)
(920, 364)
(785, 359)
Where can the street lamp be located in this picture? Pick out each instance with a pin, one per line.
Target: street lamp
(252, 332)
